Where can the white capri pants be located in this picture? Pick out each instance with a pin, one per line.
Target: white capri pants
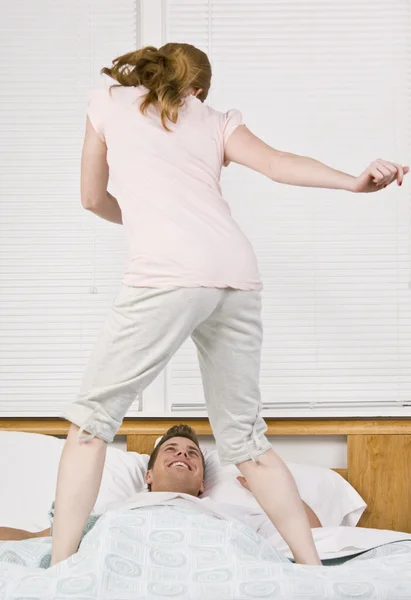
(144, 329)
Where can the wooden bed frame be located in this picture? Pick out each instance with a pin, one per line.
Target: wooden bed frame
(378, 454)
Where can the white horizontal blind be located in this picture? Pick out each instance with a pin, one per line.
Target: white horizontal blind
(331, 80)
(59, 265)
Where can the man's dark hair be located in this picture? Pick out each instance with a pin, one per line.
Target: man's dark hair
(181, 430)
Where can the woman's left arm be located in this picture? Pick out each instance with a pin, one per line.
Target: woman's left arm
(94, 179)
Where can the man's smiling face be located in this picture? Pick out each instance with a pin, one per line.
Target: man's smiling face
(178, 468)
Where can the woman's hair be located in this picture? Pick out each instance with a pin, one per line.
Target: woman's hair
(169, 73)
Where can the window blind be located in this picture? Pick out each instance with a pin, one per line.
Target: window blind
(60, 266)
(331, 80)
(326, 79)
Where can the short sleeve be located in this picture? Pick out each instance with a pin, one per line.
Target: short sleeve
(97, 110)
(232, 119)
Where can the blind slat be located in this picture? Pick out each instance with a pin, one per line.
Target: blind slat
(59, 269)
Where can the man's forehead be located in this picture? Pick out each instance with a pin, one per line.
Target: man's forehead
(179, 441)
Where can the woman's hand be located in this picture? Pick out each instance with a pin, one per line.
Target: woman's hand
(378, 175)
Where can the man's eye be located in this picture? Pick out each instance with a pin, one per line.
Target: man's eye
(194, 453)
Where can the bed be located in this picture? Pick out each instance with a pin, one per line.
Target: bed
(378, 455)
(378, 467)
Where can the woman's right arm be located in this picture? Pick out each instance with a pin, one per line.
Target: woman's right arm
(16, 535)
(245, 148)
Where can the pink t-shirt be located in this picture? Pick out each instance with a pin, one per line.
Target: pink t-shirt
(180, 229)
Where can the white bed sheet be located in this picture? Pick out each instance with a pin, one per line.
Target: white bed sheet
(339, 542)
(331, 542)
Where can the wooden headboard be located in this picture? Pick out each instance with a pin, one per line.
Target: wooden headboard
(378, 455)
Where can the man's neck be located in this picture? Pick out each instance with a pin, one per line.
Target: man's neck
(176, 491)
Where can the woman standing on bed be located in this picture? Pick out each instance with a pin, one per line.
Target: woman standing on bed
(191, 272)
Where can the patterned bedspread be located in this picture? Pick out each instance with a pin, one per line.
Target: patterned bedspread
(163, 552)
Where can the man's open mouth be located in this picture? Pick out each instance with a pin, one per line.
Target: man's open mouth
(181, 464)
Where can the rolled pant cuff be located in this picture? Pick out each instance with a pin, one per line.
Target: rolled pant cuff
(251, 454)
(91, 421)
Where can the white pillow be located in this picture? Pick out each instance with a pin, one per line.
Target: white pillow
(331, 497)
(123, 476)
(28, 474)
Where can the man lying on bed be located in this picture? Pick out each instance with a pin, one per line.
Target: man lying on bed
(175, 475)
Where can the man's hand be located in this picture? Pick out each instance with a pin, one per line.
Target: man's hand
(243, 482)
(312, 517)
(378, 175)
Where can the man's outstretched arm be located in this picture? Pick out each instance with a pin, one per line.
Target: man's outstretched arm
(9, 534)
(312, 517)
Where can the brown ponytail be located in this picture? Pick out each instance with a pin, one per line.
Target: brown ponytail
(169, 73)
